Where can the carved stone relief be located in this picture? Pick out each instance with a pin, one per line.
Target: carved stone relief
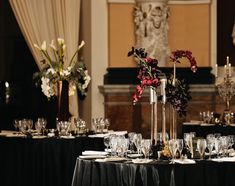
(151, 28)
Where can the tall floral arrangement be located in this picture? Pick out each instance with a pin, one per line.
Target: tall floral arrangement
(148, 72)
(177, 90)
(55, 70)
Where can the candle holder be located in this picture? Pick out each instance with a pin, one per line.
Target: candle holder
(226, 90)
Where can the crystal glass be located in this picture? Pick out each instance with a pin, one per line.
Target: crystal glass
(137, 141)
(172, 144)
(201, 147)
(145, 147)
(180, 145)
(107, 142)
(131, 141)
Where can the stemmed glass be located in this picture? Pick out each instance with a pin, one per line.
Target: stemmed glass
(180, 145)
(131, 141)
(16, 124)
(107, 142)
(137, 141)
(210, 138)
(145, 147)
(173, 148)
(201, 146)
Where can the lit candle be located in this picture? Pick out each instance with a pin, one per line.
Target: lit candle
(216, 70)
(227, 60)
(225, 69)
(229, 70)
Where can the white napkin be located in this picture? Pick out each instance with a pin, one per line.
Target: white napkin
(185, 161)
(94, 153)
(141, 160)
(111, 159)
(224, 159)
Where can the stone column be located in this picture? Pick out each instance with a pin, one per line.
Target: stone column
(151, 28)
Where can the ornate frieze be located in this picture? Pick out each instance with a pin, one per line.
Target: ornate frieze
(151, 28)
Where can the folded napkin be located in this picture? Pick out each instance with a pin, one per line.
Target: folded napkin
(141, 160)
(92, 157)
(111, 159)
(184, 161)
(94, 153)
(107, 134)
(224, 159)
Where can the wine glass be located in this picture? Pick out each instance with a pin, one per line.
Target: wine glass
(201, 146)
(131, 141)
(145, 147)
(173, 148)
(137, 141)
(210, 143)
(180, 145)
(107, 142)
(16, 124)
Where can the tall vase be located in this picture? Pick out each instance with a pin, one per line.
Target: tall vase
(173, 123)
(63, 101)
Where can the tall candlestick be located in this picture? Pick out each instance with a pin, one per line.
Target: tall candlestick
(163, 91)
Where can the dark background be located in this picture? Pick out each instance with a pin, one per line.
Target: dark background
(17, 67)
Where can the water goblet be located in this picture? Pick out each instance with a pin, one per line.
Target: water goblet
(180, 145)
(131, 141)
(201, 146)
(107, 142)
(145, 147)
(137, 141)
(172, 144)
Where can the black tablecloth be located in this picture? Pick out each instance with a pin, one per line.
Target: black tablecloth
(203, 173)
(41, 162)
(202, 131)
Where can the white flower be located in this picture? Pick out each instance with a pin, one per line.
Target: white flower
(64, 47)
(46, 88)
(87, 79)
(81, 45)
(44, 46)
(60, 41)
(66, 72)
(51, 70)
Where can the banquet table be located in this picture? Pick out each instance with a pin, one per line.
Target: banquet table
(204, 129)
(43, 161)
(157, 173)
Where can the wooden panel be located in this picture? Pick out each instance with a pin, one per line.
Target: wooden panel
(126, 116)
